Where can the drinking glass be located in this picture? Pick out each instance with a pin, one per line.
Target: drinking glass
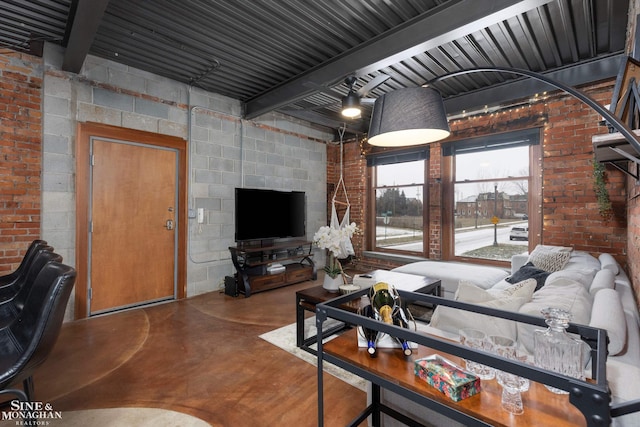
(476, 339)
(511, 384)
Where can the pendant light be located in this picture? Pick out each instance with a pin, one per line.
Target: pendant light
(410, 116)
(351, 105)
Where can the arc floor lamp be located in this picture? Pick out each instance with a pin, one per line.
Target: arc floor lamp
(414, 116)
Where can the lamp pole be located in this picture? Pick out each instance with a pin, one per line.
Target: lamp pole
(611, 118)
(476, 211)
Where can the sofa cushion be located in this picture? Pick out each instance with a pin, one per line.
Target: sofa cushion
(608, 262)
(604, 279)
(563, 293)
(529, 271)
(452, 320)
(583, 275)
(582, 259)
(607, 313)
(549, 258)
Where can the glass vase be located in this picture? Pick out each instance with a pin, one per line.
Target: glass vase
(555, 349)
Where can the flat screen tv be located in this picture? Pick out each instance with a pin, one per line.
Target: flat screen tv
(269, 214)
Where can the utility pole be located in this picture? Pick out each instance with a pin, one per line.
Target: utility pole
(495, 215)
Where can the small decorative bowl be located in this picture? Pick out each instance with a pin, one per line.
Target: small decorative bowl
(347, 289)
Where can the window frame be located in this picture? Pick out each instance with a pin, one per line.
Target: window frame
(534, 209)
(394, 157)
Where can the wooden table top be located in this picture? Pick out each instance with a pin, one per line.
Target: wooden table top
(318, 294)
(541, 407)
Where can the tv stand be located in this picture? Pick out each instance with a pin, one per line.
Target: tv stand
(252, 265)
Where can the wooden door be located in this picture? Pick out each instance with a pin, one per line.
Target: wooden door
(133, 222)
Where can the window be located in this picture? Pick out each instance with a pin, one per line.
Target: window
(399, 190)
(398, 193)
(491, 195)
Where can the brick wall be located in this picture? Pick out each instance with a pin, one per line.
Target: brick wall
(20, 156)
(633, 235)
(355, 179)
(569, 208)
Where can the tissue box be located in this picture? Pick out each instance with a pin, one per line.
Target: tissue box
(446, 376)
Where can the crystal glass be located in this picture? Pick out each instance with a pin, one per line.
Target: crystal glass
(511, 384)
(555, 349)
(511, 398)
(477, 340)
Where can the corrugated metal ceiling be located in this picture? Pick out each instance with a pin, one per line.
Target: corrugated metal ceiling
(293, 55)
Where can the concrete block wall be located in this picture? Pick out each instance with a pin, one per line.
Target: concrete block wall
(225, 152)
(272, 153)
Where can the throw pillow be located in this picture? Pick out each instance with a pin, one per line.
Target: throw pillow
(549, 259)
(523, 289)
(452, 319)
(529, 271)
(470, 292)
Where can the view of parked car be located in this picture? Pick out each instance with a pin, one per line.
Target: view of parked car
(519, 232)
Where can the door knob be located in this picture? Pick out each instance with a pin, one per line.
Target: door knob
(169, 224)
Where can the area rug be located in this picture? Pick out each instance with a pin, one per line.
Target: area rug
(118, 417)
(285, 338)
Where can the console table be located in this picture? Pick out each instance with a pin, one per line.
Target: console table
(252, 262)
(588, 402)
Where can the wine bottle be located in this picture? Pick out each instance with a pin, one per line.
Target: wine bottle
(371, 335)
(383, 301)
(399, 319)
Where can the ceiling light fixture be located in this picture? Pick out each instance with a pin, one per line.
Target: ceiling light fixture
(351, 105)
(415, 116)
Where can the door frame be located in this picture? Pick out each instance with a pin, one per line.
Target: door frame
(85, 131)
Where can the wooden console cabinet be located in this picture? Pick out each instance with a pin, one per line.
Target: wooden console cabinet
(252, 263)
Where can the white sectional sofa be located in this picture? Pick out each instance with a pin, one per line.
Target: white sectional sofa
(595, 290)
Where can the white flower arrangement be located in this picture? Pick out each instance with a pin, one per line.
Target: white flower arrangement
(333, 239)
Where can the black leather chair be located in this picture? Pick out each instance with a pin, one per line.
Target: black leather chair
(27, 341)
(12, 304)
(37, 259)
(24, 264)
